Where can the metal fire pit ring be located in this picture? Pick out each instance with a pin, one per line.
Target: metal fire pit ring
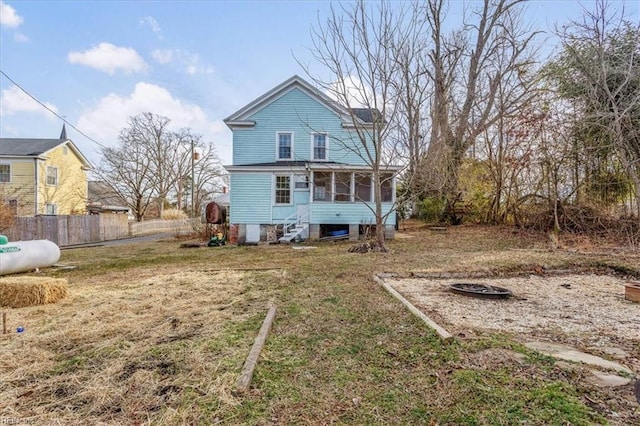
(480, 290)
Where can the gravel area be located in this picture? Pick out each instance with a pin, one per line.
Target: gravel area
(590, 307)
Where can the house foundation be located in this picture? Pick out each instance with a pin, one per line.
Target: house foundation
(389, 232)
(314, 232)
(354, 232)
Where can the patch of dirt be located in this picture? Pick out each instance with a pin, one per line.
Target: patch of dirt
(587, 308)
(587, 311)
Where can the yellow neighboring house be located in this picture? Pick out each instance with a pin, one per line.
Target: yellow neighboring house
(43, 176)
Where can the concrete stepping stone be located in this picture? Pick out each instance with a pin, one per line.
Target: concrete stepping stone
(601, 379)
(572, 354)
(616, 353)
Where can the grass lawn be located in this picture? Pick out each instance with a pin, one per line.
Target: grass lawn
(152, 333)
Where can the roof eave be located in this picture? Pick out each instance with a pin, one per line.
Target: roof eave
(273, 168)
(257, 104)
(239, 124)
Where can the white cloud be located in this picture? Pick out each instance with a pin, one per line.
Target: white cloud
(155, 27)
(20, 38)
(193, 65)
(14, 100)
(187, 62)
(8, 16)
(104, 121)
(109, 58)
(193, 69)
(162, 56)
(354, 90)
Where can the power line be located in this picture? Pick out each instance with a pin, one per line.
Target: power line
(64, 120)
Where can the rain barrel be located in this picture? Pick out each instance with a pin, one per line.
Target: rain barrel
(22, 256)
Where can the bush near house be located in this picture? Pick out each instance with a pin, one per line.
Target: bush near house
(7, 216)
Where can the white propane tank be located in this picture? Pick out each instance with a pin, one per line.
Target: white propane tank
(22, 256)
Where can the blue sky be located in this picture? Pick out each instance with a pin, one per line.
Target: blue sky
(98, 62)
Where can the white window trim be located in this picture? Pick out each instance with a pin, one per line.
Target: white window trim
(278, 145)
(55, 209)
(352, 190)
(274, 187)
(10, 171)
(47, 176)
(326, 148)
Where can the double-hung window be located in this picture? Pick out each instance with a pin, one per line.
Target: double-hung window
(285, 145)
(52, 175)
(51, 209)
(319, 146)
(283, 190)
(5, 173)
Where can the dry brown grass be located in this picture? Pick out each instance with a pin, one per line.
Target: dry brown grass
(154, 334)
(122, 347)
(21, 291)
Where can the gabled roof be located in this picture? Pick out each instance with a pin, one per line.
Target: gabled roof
(367, 115)
(241, 118)
(24, 147)
(99, 193)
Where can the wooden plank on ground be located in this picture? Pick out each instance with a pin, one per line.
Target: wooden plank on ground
(244, 381)
(444, 334)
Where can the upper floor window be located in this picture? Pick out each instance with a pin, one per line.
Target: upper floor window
(285, 146)
(5, 172)
(52, 175)
(319, 146)
(283, 190)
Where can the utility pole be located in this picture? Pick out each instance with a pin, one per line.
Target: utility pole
(192, 176)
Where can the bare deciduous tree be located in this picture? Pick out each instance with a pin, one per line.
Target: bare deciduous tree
(354, 44)
(599, 69)
(207, 175)
(412, 91)
(153, 162)
(127, 170)
(467, 67)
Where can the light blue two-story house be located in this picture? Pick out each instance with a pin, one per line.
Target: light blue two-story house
(298, 166)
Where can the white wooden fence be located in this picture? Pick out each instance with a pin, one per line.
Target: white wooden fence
(176, 226)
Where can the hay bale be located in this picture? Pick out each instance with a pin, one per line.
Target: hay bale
(18, 292)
